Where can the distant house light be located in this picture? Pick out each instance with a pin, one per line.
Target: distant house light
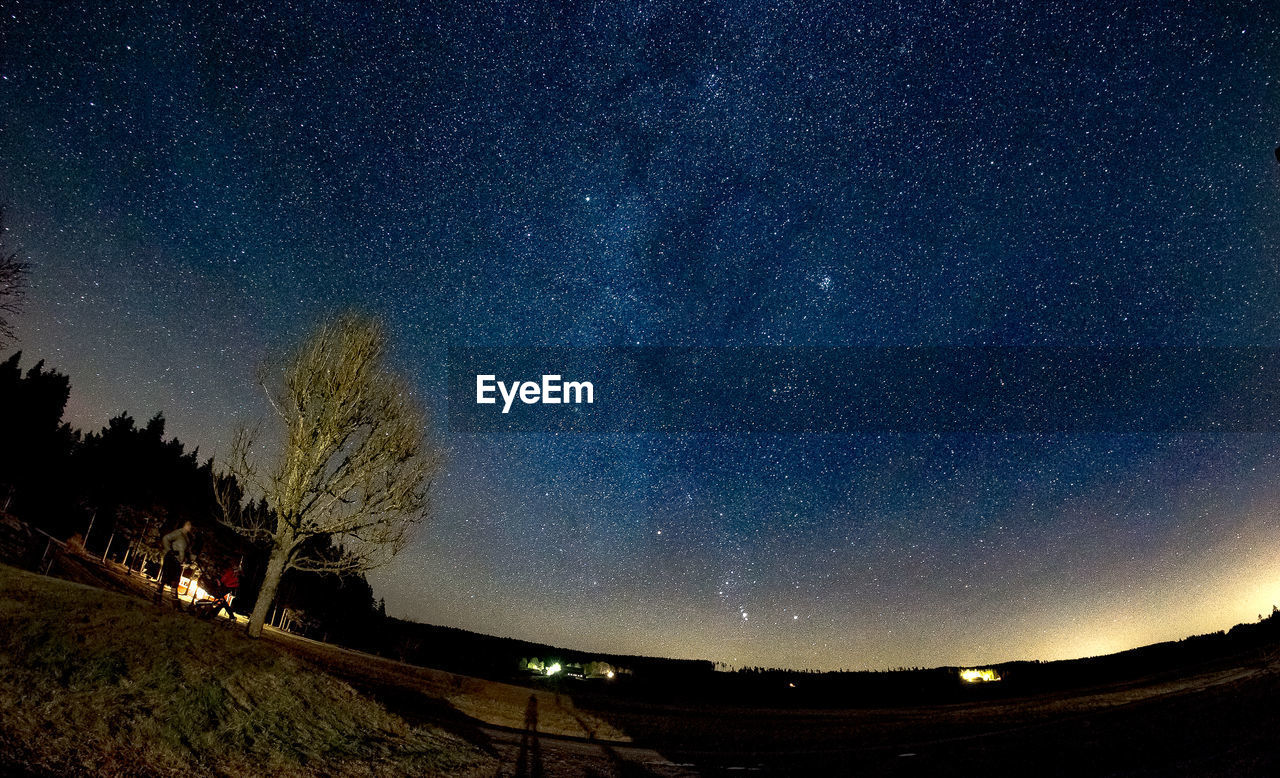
(979, 674)
(553, 669)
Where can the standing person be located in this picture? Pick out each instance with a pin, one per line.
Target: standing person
(177, 553)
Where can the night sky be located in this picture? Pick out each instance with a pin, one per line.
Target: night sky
(198, 185)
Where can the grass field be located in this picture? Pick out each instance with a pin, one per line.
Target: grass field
(94, 682)
(1212, 719)
(1218, 719)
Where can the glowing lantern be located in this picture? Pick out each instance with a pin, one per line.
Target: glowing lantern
(187, 587)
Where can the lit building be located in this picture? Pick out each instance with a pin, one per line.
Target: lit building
(979, 674)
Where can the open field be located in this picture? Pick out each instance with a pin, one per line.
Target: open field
(1218, 719)
(1218, 722)
(1215, 718)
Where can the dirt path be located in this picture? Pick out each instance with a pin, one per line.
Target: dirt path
(534, 732)
(527, 753)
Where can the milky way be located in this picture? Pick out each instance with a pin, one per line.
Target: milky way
(196, 186)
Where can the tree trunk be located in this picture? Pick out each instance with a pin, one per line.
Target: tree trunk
(267, 592)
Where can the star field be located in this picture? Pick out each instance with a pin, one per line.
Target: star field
(197, 185)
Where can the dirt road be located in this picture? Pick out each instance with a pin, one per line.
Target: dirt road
(534, 732)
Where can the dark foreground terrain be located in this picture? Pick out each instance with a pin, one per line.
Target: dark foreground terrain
(73, 666)
(1218, 719)
(98, 683)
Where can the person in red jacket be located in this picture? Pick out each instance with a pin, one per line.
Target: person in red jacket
(227, 586)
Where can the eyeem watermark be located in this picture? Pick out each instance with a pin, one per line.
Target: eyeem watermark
(551, 391)
(860, 390)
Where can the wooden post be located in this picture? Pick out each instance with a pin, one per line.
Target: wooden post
(86, 532)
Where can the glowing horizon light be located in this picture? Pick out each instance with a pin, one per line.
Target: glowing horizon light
(979, 674)
(609, 674)
(553, 669)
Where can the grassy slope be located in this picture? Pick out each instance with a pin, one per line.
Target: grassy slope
(101, 683)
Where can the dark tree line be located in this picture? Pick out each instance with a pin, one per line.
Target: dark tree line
(13, 283)
(131, 484)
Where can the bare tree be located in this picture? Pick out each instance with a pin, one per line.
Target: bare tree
(353, 468)
(13, 284)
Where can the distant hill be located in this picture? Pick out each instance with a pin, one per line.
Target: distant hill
(487, 656)
(498, 658)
